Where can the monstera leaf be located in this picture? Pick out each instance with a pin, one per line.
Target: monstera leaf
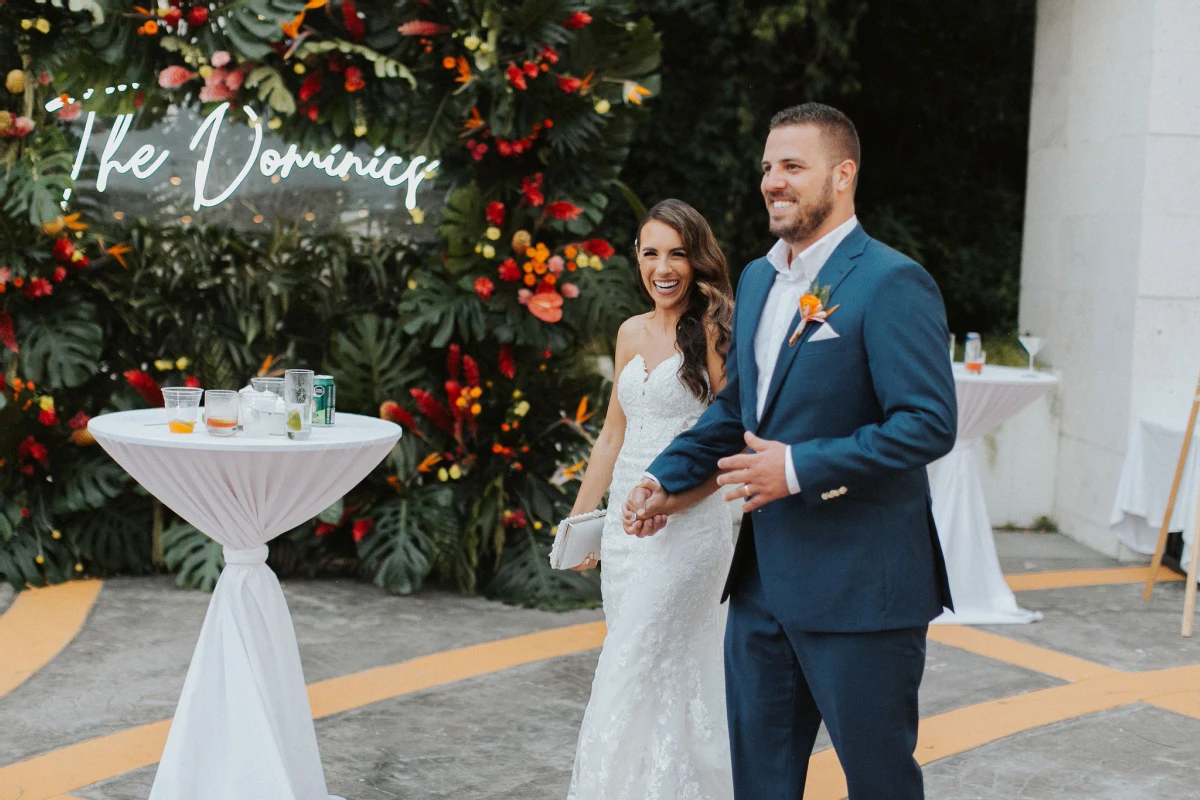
(253, 25)
(61, 349)
(89, 482)
(525, 577)
(115, 538)
(398, 553)
(372, 363)
(198, 558)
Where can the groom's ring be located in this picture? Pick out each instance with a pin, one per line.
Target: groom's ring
(746, 490)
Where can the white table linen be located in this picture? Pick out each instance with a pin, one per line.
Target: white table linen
(1145, 487)
(243, 728)
(981, 595)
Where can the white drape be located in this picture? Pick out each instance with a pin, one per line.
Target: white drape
(243, 729)
(981, 596)
(1145, 487)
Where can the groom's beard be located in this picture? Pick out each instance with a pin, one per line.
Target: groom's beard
(809, 218)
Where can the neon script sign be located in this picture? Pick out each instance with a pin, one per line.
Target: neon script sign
(148, 158)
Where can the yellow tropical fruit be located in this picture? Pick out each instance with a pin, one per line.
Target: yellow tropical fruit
(15, 81)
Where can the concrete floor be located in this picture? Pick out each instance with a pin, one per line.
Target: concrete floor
(511, 734)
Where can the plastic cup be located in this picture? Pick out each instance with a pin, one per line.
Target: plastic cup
(221, 411)
(182, 404)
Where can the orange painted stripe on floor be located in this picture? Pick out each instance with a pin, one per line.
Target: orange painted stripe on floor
(38, 625)
(965, 729)
(372, 685)
(79, 765)
(1066, 579)
(1187, 704)
(1019, 654)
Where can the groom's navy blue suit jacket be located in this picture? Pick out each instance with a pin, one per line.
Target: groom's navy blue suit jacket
(864, 413)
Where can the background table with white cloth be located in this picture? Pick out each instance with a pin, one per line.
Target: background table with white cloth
(243, 727)
(985, 399)
(1145, 486)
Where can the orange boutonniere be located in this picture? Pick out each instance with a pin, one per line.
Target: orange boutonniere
(812, 309)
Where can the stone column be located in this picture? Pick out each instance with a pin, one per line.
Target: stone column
(1110, 268)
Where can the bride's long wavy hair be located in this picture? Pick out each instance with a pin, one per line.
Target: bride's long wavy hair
(710, 297)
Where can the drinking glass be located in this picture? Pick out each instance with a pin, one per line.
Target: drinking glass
(298, 402)
(274, 385)
(258, 413)
(221, 411)
(1032, 345)
(182, 403)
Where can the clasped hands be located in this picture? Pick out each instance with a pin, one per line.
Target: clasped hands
(760, 472)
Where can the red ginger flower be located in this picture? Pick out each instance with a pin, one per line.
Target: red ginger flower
(548, 53)
(311, 85)
(598, 248)
(434, 411)
(197, 16)
(32, 448)
(453, 361)
(531, 69)
(352, 22)
(192, 382)
(495, 213)
(361, 528)
(509, 271)
(508, 364)
(531, 189)
(569, 85)
(59, 274)
(63, 250)
(146, 386)
(48, 418)
(561, 209)
(516, 77)
(422, 28)
(324, 528)
(484, 288)
(470, 371)
(38, 287)
(577, 20)
(354, 79)
(79, 421)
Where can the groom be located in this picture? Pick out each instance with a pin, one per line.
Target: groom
(837, 570)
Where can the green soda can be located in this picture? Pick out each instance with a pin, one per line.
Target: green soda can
(324, 400)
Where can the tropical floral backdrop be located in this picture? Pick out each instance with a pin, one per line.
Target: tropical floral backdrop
(481, 338)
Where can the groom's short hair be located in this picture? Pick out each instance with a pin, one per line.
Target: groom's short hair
(837, 131)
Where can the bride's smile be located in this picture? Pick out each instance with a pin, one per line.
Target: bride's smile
(663, 262)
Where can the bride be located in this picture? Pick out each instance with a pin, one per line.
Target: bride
(655, 726)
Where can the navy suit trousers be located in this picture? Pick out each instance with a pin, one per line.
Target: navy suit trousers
(781, 683)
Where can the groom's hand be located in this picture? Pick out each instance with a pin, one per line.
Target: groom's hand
(644, 513)
(762, 472)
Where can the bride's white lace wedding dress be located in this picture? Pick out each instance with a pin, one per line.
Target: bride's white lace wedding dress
(655, 726)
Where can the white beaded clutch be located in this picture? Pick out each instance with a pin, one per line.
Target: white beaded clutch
(577, 537)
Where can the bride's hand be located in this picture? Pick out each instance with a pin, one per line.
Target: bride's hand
(588, 563)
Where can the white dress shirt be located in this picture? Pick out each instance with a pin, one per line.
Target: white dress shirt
(791, 282)
(783, 301)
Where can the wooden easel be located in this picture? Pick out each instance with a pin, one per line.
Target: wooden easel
(1189, 605)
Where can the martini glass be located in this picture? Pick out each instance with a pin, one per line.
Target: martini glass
(1032, 345)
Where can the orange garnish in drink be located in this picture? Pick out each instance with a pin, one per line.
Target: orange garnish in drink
(221, 423)
(181, 426)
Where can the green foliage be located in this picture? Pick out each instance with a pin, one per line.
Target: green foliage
(943, 173)
(196, 559)
(372, 362)
(403, 545)
(418, 313)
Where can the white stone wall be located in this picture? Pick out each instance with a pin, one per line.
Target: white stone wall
(1110, 271)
